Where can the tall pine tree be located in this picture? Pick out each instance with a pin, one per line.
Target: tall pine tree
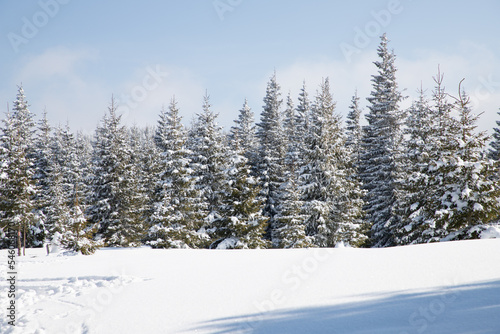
(333, 200)
(116, 198)
(18, 184)
(178, 210)
(273, 146)
(380, 148)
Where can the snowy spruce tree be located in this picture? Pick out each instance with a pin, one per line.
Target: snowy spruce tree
(380, 148)
(116, 197)
(301, 125)
(18, 183)
(470, 195)
(63, 177)
(296, 125)
(430, 129)
(68, 226)
(240, 223)
(412, 181)
(273, 146)
(494, 152)
(354, 131)
(209, 162)
(333, 200)
(290, 219)
(242, 135)
(78, 234)
(178, 212)
(43, 162)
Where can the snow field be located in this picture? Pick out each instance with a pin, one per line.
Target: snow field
(449, 287)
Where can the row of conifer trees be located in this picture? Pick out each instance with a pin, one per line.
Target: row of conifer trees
(300, 177)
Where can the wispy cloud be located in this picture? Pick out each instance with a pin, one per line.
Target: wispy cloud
(479, 65)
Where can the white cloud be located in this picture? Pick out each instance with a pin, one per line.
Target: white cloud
(474, 62)
(143, 94)
(58, 80)
(56, 62)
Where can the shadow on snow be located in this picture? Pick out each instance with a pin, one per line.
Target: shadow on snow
(473, 308)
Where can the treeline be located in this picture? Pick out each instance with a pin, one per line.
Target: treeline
(300, 177)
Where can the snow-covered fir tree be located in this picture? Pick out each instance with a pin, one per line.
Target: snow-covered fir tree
(290, 128)
(412, 181)
(149, 159)
(240, 223)
(78, 232)
(43, 162)
(301, 124)
(116, 198)
(291, 217)
(143, 158)
(18, 184)
(422, 187)
(471, 197)
(209, 161)
(494, 152)
(273, 146)
(354, 131)
(63, 178)
(243, 134)
(178, 212)
(333, 200)
(380, 147)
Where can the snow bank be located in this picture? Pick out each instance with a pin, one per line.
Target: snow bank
(451, 287)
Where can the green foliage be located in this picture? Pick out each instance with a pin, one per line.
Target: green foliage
(241, 223)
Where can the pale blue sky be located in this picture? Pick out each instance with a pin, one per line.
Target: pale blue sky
(72, 55)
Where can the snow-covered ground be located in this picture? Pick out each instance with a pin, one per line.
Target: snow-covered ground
(449, 287)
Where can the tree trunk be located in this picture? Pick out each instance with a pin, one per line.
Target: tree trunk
(24, 240)
(19, 240)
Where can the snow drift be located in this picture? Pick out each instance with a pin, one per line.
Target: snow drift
(449, 287)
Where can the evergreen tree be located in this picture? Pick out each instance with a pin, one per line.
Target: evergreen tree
(117, 198)
(62, 180)
(43, 161)
(143, 161)
(176, 221)
(243, 135)
(17, 199)
(470, 196)
(354, 131)
(302, 120)
(333, 200)
(291, 218)
(78, 235)
(273, 146)
(412, 176)
(380, 148)
(58, 209)
(210, 160)
(241, 223)
(494, 152)
(290, 129)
